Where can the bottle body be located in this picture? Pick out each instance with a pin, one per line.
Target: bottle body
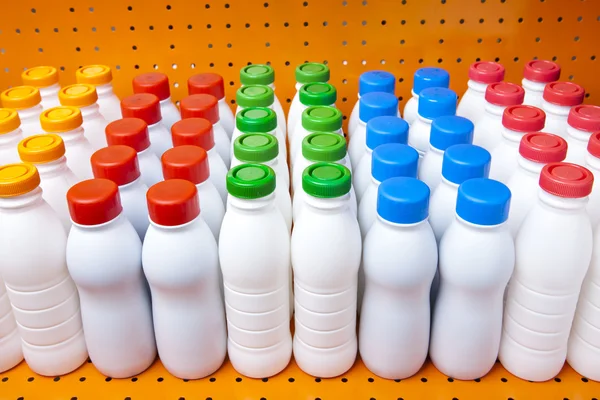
(78, 151)
(593, 164)
(442, 207)
(30, 120)
(135, 207)
(170, 113)
(356, 146)
(212, 206)
(294, 113)
(50, 96)
(418, 135)
(150, 167)
(504, 158)
(472, 103)
(556, 119)
(160, 137)
(524, 188)
(218, 173)
(299, 203)
(577, 141)
(10, 341)
(298, 125)
(353, 121)
(411, 108)
(226, 117)
(110, 105)
(55, 180)
(94, 126)
(488, 129)
(534, 92)
(367, 210)
(361, 178)
(281, 122)
(222, 143)
(8, 147)
(430, 168)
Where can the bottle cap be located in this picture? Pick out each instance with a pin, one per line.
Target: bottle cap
(255, 96)
(450, 130)
(324, 147)
(437, 102)
(18, 179)
(20, 97)
(42, 76)
(564, 93)
(257, 74)
(94, 75)
(61, 119)
(322, 119)
(154, 83)
(41, 149)
(9, 120)
(256, 148)
(207, 83)
(144, 106)
(173, 202)
(78, 95)
(542, 147)
(377, 104)
(566, 180)
(94, 202)
(186, 162)
(483, 201)
(256, 119)
(386, 129)
(318, 94)
(200, 106)
(312, 72)
(504, 94)
(403, 200)
(132, 132)
(429, 77)
(486, 72)
(116, 163)
(376, 81)
(593, 146)
(326, 180)
(193, 131)
(465, 161)
(250, 181)
(523, 118)
(542, 71)
(392, 160)
(585, 118)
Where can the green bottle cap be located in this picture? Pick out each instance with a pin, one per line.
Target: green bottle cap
(251, 181)
(322, 119)
(326, 180)
(256, 119)
(318, 94)
(257, 74)
(312, 72)
(255, 147)
(324, 147)
(255, 96)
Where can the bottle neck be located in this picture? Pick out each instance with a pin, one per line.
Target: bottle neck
(562, 203)
(494, 110)
(424, 120)
(327, 205)
(593, 163)
(400, 227)
(52, 168)
(134, 184)
(252, 205)
(533, 86)
(30, 199)
(11, 137)
(156, 125)
(71, 136)
(512, 138)
(477, 87)
(49, 91)
(90, 111)
(166, 102)
(528, 166)
(436, 151)
(450, 185)
(32, 113)
(181, 227)
(119, 219)
(482, 228)
(105, 90)
(555, 109)
(414, 95)
(578, 135)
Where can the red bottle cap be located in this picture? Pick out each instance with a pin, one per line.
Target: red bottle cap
(543, 71)
(186, 162)
(116, 163)
(200, 106)
(173, 202)
(94, 202)
(486, 72)
(132, 132)
(145, 106)
(193, 131)
(504, 94)
(585, 118)
(523, 118)
(564, 93)
(154, 83)
(593, 146)
(566, 180)
(207, 83)
(542, 147)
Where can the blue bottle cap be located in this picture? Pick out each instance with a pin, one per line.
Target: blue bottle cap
(483, 201)
(392, 160)
(403, 200)
(386, 129)
(450, 130)
(376, 81)
(436, 102)
(376, 104)
(429, 77)
(465, 161)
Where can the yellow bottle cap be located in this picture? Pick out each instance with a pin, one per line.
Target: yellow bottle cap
(40, 76)
(40, 149)
(78, 95)
(20, 97)
(61, 119)
(18, 179)
(94, 74)
(9, 120)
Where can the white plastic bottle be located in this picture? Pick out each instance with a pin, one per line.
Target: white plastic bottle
(133, 132)
(84, 97)
(190, 163)
(481, 74)
(553, 253)
(254, 252)
(536, 75)
(10, 136)
(199, 132)
(120, 165)
(104, 256)
(47, 153)
(101, 77)
(45, 78)
(369, 82)
(461, 163)
(558, 99)
(42, 294)
(305, 73)
(583, 121)
(477, 257)
(26, 100)
(535, 150)
(209, 83)
(445, 132)
(315, 119)
(157, 83)
(260, 120)
(65, 121)
(310, 95)
(181, 263)
(10, 341)
(258, 96)
(516, 122)
(592, 162)
(400, 259)
(498, 96)
(424, 78)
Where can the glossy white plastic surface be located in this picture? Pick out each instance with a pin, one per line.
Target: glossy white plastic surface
(78, 151)
(30, 120)
(160, 137)
(222, 143)
(577, 141)
(135, 206)
(430, 168)
(10, 341)
(556, 119)
(294, 112)
(150, 167)
(442, 207)
(505, 155)
(110, 105)
(50, 96)
(8, 147)
(472, 103)
(534, 92)
(211, 206)
(55, 180)
(524, 187)
(411, 108)
(170, 113)
(299, 203)
(488, 129)
(418, 135)
(218, 173)
(94, 126)
(226, 117)
(593, 206)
